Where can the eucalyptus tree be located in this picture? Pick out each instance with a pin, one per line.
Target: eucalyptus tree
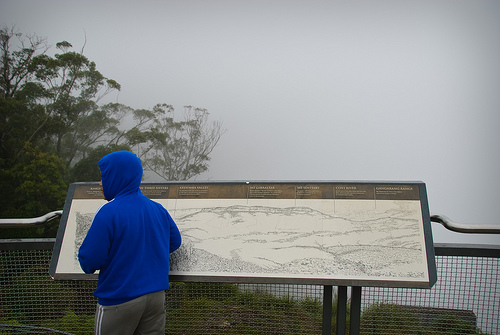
(17, 117)
(49, 118)
(50, 101)
(71, 90)
(179, 148)
(173, 146)
(52, 119)
(16, 53)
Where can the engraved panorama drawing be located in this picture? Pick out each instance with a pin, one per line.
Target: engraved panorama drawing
(365, 232)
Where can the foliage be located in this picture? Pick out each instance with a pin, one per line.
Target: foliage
(385, 318)
(17, 119)
(55, 106)
(32, 187)
(184, 145)
(40, 187)
(449, 324)
(53, 129)
(72, 87)
(173, 149)
(61, 92)
(204, 308)
(87, 168)
(389, 319)
(48, 117)
(191, 307)
(72, 323)
(225, 309)
(20, 296)
(14, 67)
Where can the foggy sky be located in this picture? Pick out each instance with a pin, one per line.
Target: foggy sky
(312, 90)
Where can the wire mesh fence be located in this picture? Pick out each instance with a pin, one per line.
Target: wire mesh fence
(465, 300)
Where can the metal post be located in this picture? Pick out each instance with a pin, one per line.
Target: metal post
(355, 310)
(327, 309)
(341, 310)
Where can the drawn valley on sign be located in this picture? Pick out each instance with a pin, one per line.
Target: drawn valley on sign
(319, 239)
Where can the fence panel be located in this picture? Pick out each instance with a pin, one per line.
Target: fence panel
(465, 300)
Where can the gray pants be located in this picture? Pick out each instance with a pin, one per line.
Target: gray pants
(143, 315)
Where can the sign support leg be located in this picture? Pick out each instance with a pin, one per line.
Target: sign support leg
(341, 310)
(355, 310)
(327, 309)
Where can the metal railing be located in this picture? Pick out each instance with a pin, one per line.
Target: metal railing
(21, 223)
(467, 228)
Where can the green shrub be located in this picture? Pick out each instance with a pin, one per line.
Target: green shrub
(71, 323)
(225, 309)
(34, 291)
(385, 318)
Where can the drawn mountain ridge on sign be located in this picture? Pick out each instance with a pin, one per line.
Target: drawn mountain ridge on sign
(297, 218)
(302, 240)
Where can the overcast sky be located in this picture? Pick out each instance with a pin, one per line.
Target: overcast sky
(313, 90)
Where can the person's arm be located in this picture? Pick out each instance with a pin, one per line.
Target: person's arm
(93, 253)
(175, 235)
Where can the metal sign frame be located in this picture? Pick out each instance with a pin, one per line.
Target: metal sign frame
(340, 233)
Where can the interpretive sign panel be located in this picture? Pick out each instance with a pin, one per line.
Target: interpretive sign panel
(325, 233)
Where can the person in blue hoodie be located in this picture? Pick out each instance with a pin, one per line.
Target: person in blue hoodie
(129, 243)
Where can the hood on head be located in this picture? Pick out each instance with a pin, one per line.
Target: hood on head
(121, 173)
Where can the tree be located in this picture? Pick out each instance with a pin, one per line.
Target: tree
(17, 117)
(32, 187)
(49, 118)
(173, 149)
(53, 103)
(59, 97)
(72, 88)
(54, 129)
(87, 169)
(14, 64)
(180, 149)
(18, 120)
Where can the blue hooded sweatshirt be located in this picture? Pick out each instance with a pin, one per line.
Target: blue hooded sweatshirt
(131, 236)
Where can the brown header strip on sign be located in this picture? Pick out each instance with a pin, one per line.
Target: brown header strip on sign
(267, 191)
(153, 191)
(88, 192)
